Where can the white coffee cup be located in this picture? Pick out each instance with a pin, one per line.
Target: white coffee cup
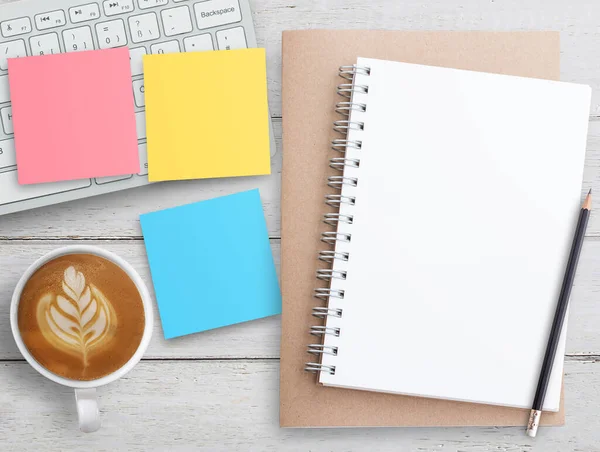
(85, 391)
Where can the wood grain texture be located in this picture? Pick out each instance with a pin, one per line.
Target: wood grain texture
(208, 391)
(225, 406)
(260, 339)
(116, 215)
(248, 340)
(576, 20)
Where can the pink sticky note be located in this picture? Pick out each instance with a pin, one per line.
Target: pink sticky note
(73, 116)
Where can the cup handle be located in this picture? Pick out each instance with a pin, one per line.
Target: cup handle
(87, 409)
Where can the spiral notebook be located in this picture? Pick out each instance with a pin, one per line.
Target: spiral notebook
(452, 232)
(310, 61)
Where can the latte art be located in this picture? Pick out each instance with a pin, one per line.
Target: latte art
(78, 321)
(81, 316)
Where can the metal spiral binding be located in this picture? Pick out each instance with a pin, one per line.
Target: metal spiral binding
(333, 219)
(318, 349)
(341, 145)
(336, 200)
(347, 89)
(326, 274)
(338, 163)
(316, 368)
(343, 108)
(348, 72)
(332, 237)
(343, 125)
(330, 256)
(324, 331)
(324, 294)
(326, 312)
(338, 181)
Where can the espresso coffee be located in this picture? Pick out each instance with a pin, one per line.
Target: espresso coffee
(81, 316)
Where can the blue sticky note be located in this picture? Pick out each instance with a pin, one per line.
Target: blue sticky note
(211, 264)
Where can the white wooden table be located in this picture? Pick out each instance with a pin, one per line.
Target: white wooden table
(219, 390)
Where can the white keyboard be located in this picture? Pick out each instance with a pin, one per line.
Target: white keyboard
(45, 27)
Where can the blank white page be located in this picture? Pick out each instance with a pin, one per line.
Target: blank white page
(469, 188)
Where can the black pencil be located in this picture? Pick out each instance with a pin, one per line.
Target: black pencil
(559, 317)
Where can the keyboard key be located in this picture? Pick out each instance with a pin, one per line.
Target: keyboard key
(13, 192)
(8, 157)
(44, 44)
(143, 149)
(114, 7)
(136, 59)
(138, 93)
(213, 13)
(78, 39)
(140, 125)
(144, 27)
(111, 34)
(7, 120)
(11, 49)
(165, 47)
(108, 180)
(15, 27)
(198, 43)
(4, 89)
(52, 19)
(176, 21)
(84, 13)
(232, 38)
(145, 4)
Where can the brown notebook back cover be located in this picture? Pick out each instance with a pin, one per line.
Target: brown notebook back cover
(310, 65)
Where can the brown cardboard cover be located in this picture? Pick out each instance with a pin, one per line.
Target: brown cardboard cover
(310, 65)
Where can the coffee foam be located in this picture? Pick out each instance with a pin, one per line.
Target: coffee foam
(81, 316)
(81, 321)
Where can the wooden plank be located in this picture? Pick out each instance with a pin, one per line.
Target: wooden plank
(577, 22)
(252, 339)
(117, 214)
(233, 405)
(261, 338)
(221, 405)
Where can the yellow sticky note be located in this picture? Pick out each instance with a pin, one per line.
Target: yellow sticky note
(207, 114)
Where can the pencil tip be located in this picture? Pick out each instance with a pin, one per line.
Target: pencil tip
(587, 204)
